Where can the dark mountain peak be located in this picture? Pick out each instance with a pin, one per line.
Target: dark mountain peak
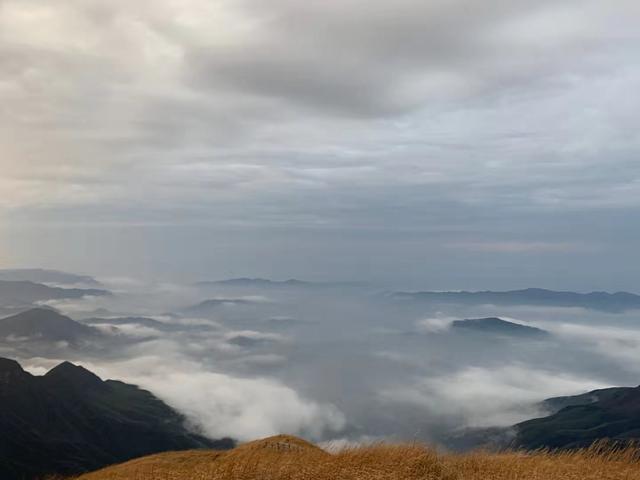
(69, 373)
(9, 366)
(69, 421)
(10, 371)
(494, 320)
(44, 324)
(498, 326)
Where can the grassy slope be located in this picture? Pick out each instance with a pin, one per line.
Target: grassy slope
(288, 458)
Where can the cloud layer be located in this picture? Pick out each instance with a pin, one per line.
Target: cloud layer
(340, 363)
(495, 128)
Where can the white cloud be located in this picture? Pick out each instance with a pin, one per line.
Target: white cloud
(434, 324)
(224, 405)
(485, 397)
(618, 343)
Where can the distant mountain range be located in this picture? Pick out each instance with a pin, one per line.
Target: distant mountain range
(603, 301)
(16, 293)
(39, 275)
(256, 282)
(70, 421)
(244, 282)
(497, 326)
(41, 324)
(141, 321)
(145, 322)
(211, 305)
(37, 329)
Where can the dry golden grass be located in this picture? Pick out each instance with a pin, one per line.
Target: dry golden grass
(289, 458)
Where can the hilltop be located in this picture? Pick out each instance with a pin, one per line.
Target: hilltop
(42, 324)
(199, 464)
(498, 326)
(290, 458)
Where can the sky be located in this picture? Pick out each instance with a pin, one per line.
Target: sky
(440, 144)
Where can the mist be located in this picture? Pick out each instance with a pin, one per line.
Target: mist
(340, 362)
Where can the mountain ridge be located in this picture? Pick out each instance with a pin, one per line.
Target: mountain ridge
(43, 275)
(258, 282)
(565, 423)
(46, 325)
(612, 413)
(499, 326)
(26, 292)
(69, 421)
(609, 302)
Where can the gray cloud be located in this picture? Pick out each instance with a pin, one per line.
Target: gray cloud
(452, 123)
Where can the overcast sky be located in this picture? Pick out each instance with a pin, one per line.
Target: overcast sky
(434, 144)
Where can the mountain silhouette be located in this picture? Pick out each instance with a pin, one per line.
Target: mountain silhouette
(612, 413)
(14, 293)
(41, 324)
(41, 275)
(70, 421)
(603, 301)
(497, 326)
